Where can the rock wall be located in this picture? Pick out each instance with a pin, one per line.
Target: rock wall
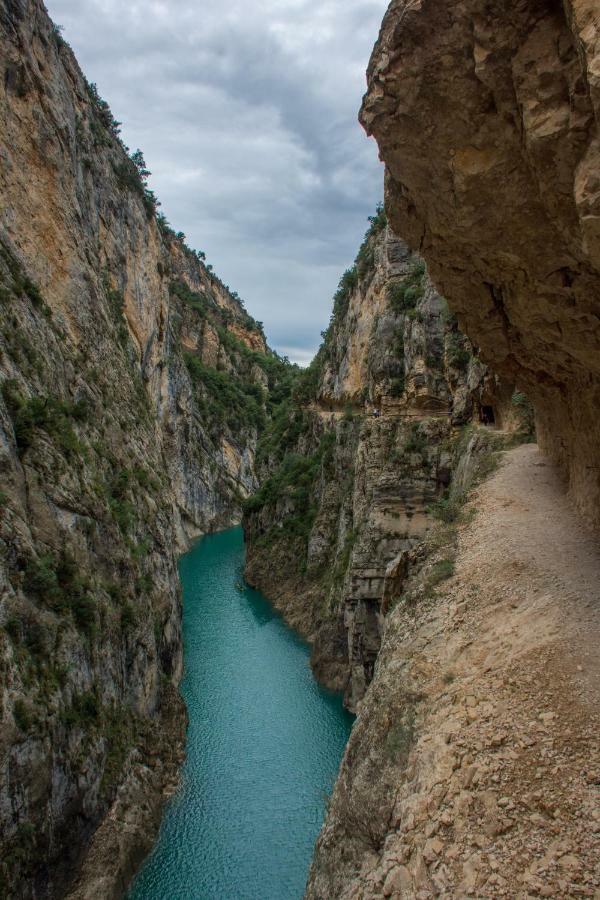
(133, 388)
(352, 471)
(487, 120)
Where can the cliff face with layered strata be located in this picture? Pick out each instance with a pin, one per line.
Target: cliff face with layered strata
(487, 120)
(133, 389)
(353, 471)
(470, 770)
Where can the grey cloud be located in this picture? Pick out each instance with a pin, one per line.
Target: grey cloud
(246, 114)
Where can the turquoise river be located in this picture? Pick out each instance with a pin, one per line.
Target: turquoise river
(263, 745)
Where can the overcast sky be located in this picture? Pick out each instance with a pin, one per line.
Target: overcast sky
(246, 113)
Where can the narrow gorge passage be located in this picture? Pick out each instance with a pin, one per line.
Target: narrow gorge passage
(263, 747)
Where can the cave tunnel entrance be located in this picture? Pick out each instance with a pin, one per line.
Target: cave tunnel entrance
(487, 415)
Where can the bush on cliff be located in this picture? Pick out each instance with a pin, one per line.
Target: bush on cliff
(293, 484)
(226, 399)
(404, 295)
(45, 413)
(58, 584)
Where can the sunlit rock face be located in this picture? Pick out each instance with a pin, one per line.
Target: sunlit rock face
(394, 383)
(114, 452)
(486, 116)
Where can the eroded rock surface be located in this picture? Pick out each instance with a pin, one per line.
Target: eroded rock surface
(364, 456)
(132, 393)
(473, 767)
(486, 116)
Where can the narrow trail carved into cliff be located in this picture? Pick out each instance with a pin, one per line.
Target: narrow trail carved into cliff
(529, 546)
(500, 793)
(531, 688)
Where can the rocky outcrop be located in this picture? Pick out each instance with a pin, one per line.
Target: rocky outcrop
(487, 119)
(363, 458)
(133, 387)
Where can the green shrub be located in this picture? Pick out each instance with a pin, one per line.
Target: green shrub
(307, 383)
(20, 283)
(201, 302)
(12, 396)
(13, 628)
(102, 116)
(144, 479)
(118, 735)
(404, 295)
(144, 584)
(141, 549)
(440, 571)
(41, 581)
(121, 484)
(34, 638)
(456, 353)
(43, 413)
(116, 305)
(448, 508)
(22, 714)
(115, 592)
(294, 481)
(282, 433)
(121, 508)
(84, 711)
(128, 617)
(416, 442)
(397, 386)
(58, 584)
(365, 259)
(226, 399)
(123, 512)
(80, 410)
(83, 607)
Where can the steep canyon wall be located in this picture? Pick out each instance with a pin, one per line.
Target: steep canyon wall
(487, 119)
(355, 469)
(133, 389)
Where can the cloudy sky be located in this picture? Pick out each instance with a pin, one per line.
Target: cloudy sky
(246, 113)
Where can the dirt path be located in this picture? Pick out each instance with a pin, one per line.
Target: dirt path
(530, 551)
(522, 637)
(499, 795)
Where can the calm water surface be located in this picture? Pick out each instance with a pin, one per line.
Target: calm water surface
(263, 746)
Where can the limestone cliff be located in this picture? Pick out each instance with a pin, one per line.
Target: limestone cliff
(472, 767)
(456, 604)
(354, 470)
(133, 388)
(486, 116)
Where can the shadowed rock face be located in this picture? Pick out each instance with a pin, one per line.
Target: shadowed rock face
(114, 452)
(486, 116)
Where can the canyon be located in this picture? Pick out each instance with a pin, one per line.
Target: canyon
(134, 386)
(472, 768)
(360, 463)
(396, 507)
